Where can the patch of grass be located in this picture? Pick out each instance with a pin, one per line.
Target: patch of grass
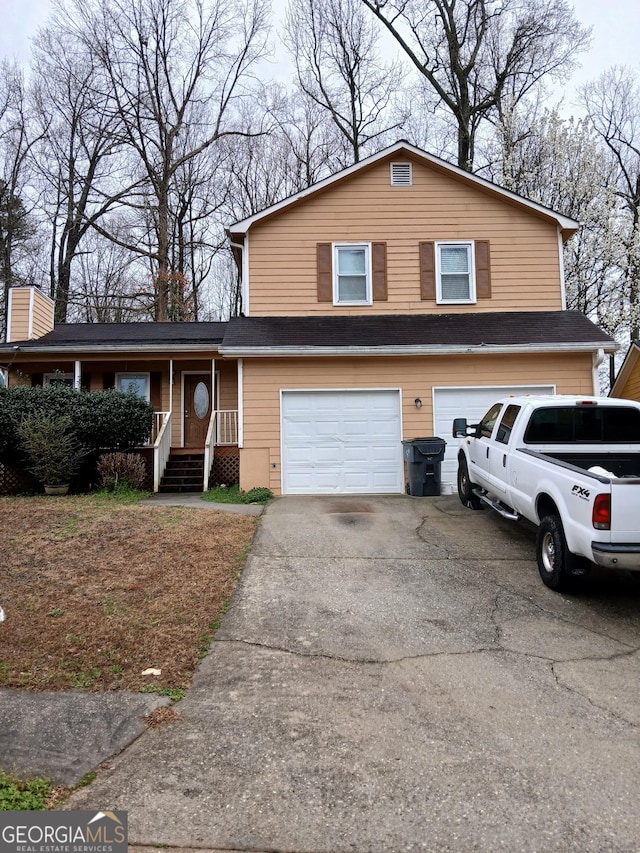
(235, 495)
(173, 693)
(122, 493)
(136, 586)
(28, 795)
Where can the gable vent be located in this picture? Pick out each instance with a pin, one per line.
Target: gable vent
(401, 175)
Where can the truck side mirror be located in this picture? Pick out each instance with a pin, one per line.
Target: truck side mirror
(459, 427)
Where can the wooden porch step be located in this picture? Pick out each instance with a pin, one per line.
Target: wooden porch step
(184, 472)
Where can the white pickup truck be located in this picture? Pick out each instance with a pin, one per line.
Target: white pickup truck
(570, 465)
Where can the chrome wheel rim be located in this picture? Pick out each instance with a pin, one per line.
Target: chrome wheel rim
(548, 552)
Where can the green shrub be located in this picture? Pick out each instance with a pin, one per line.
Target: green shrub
(111, 420)
(101, 420)
(235, 495)
(53, 451)
(118, 470)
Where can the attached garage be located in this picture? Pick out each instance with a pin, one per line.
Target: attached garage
(470, 403)
(341, 442)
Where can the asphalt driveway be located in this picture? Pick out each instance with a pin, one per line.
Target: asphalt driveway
(393, 676)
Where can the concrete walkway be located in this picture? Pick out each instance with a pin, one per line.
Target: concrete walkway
(393, 676)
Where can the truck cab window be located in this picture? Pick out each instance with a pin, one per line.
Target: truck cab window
(506, 424)
(488, 422)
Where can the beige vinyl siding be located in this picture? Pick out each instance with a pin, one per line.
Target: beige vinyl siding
(415, 376)
(42, 315)
(631, 390)
(31, 314)
(525, 271)
(19, 314)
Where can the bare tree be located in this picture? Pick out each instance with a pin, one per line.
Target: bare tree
(475, 54)
(80, 158)
(613, 106)
(175, 69)
(335, 48)
(16, 223)
(562, 164)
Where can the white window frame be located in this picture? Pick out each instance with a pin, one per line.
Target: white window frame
(368, 300)
(4, 377)
(470, 247)
(57, 376)
(136, 375)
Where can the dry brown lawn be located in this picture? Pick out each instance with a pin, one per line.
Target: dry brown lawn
(95, 592)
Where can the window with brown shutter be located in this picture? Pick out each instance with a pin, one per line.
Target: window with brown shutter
(427, 270)
(379, 267)
(324, 268)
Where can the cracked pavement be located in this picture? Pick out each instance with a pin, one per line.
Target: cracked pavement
(392, 675)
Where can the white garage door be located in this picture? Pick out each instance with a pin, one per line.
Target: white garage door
(472, 404)
(341, 442)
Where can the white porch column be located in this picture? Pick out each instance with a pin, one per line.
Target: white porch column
(77, 376)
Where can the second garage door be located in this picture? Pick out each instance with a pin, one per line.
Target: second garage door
(341, 442)
(470, 403)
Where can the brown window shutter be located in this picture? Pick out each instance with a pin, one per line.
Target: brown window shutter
(483, 270)
(325, 277)
(427, 270)
(379, 266)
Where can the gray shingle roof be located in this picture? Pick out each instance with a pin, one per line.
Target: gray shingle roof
(477, 329)
(70, 335)
(525, 328)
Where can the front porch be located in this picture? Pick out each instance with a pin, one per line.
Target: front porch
(195, 402)
(188, 469)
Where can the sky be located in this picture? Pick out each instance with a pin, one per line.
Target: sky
(616, 24)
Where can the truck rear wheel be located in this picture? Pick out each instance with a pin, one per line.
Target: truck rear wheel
(559, 569)
(466, 487)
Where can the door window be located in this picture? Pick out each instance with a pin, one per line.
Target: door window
(488, 422)
(201, 400)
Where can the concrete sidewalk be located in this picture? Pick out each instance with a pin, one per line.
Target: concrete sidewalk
(392, 675)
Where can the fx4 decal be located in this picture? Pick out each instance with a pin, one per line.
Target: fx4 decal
(581, 492)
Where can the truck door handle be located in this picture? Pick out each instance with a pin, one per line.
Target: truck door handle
(487, 452)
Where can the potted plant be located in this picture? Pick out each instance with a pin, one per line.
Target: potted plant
(54, 453)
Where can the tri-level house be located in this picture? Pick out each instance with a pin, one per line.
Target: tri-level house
(377, 305)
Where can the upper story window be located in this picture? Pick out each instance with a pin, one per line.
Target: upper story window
(134, 383)
(455, 272)
(352, 274)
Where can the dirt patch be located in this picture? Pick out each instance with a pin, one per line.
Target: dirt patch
(95, 592)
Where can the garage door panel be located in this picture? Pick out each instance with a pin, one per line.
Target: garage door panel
(341, 442)
(471, 403)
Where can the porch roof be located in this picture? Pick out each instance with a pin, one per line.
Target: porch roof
(142, 337)
(524, 331)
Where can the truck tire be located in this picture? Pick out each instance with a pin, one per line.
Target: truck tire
(466, 487)
(559, 569)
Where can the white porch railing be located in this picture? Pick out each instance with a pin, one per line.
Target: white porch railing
(161, 446)
(226, 426)
(208, 451)
(223, 430)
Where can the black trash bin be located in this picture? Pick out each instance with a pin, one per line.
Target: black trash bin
(424, 457)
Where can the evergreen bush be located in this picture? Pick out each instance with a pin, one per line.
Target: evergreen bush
(100, 420)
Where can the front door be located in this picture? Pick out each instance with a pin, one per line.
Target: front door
(197, 409)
